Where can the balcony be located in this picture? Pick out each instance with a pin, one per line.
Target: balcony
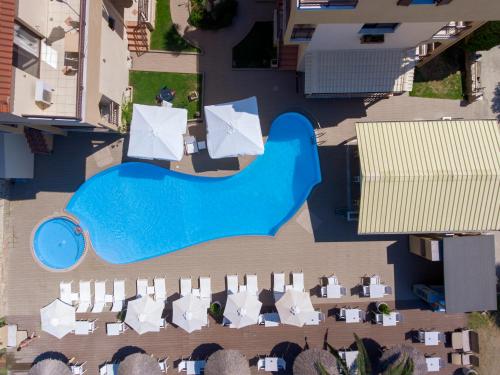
(451, 31)
(329, 4)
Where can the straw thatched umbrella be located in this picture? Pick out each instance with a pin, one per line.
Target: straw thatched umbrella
(396, 354)
(139, 364)
(50, 367)
(227, 362)
(308, 362)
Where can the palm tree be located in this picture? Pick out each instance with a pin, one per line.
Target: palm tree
(405, 367)
(363, 363)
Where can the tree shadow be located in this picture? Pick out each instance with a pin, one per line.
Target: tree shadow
(495, 102)
(204, 351)
(288, 351)
(124, 352)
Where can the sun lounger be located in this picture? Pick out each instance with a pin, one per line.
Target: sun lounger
(160, 290)
(232, 284)
(186, 286)
(115, 329)
(190, 144)
(182, 366)
(252, 287)
(142, 287)
(99, 296)
(278, 285)
(298, 281)
(118, 295)
(11, 337)
(261, 364)
(206, 289)
(85, 297)
(65, 294)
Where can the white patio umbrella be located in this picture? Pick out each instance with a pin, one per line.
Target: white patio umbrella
(157, 132)
(242, 309)
(144, 314)
(189, 313)
(58, 318)
(294, 307)
(234, 129)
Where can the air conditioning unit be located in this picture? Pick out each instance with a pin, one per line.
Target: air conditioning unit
(43, 93)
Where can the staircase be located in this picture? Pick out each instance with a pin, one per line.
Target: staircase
(288, 57)
(138, 37)
(36, 141)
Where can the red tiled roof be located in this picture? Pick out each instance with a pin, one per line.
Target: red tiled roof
(7, 13)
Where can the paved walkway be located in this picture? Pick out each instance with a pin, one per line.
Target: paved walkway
(159, 61)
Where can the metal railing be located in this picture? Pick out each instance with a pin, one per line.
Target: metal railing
(451, 30)
(327, 3)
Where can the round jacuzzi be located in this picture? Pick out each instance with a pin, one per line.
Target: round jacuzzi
(58, 243)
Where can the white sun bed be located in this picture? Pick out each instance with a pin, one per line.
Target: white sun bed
(278, 285)
(142, 287)
(160, 290)
(186, 286)
(232, 284)
(99, 296)
(65, 294)
(118, 295)
(252, 287)
(85, 297)
(298, 281)
(206, 290)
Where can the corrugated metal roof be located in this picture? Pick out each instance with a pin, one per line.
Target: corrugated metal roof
(429, 176)
(7, 13)
(359, 71)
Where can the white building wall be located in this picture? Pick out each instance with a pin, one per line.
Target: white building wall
(34, 13)
(347, 36)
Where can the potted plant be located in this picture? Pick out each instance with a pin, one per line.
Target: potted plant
(216, 310)
(383, 308)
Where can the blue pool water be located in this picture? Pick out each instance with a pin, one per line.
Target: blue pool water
(136, 211)
(57, 244)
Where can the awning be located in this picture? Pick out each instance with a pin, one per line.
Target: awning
(349, 72)
(234, 129)
(469, 273)
(242, 309)
(156, 132)
(144, 314)
(58, 318)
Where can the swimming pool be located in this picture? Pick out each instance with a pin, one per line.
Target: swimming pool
(136, 211)
(58, 243)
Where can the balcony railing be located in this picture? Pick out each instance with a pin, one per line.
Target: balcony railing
(339, 4)
(451, 30)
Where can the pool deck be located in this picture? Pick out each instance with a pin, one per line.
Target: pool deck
(314, 241)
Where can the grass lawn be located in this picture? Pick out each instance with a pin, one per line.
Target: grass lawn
(256, 50)
(488, 328)
(441, 77)
(165, 35)
(148, 84)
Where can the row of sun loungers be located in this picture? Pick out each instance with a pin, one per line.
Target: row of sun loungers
(157, 290)
(83, 299)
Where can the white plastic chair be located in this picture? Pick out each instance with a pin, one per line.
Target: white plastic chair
(99, 296)
(366, 291)
(190, 144)
(163, 365)
(324, 292)
(232, 284)
(261, 364)
(332, 280)
(85, 297)
(160, 290)
(298, 281)
(186, 286)
(278, 285)
(142, 287)
(118, 295)
(182, 366)
(252, 287)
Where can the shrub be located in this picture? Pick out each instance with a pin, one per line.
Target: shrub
(384, 309)
(484, 38)
(221, 15)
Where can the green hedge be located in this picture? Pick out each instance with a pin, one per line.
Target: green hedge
(484, 38)
(220, 16)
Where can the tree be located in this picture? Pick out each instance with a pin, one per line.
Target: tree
(484, 38)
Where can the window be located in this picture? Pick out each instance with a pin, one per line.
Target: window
(26, 55)
(423, 2)
(302, 32)
(378, 28)
(368, 38)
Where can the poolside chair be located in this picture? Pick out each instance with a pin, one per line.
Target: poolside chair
(332, 280)
(160, 290)
(464, 359)
(252, 287)
(142, 287)
(324, 291)
(163, 365)
(278, 285)
(261, 364)
(182, 366)
(366, 291)
(388, 290)
(99, 296)
(77, 369)
(206, 290)
(115, 329)
(232, 284)
(118, 295)
(65, 293)
(108, 369)
(281, 364)
(298, 281)
(85, 297)
(190, 144)
(343, 291)
(186, 286)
